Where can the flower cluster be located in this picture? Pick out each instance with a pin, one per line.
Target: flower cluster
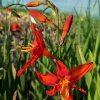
(62, 80)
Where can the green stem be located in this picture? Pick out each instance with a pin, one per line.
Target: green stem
(58, 38)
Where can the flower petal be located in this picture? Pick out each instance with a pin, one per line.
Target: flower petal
(34, 4)
(21, 71)
(41, 17)
(78, 72)
(54, 90)
(37, 51)
(47, 79)
(38, 35)
(66, 27)
(62, 69)
(47, 53)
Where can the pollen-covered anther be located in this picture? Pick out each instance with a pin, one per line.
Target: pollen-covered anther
(64, 87)
(27, 49)
(31, 44)
(63, 81)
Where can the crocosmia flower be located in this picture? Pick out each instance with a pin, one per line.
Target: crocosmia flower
(66, 28)
(41, 17)
(34, 4)
(63, 80)
(37, 49)
(15, 27)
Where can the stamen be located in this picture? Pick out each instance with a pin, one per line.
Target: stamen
(65, 88)
(26, 47)
(31, 44)
(64, 82)
(24, 50)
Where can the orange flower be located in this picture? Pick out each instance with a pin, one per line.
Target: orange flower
(63, 80)
(34, 4)
(66, 28)
(39, 16)
(37, 49)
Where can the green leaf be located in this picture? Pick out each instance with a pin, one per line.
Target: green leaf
(5, 95)
(19, 95)
(81, 55)
(13, 71)
(86, 44)
(22, 82)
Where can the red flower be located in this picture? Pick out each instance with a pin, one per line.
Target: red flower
(37, 49)
(34, 4)
(9, 10)
(41, 17)
(15, 27)
(66, 28)
(63, 80)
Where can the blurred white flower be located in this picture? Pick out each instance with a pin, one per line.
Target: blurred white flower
(33, 20)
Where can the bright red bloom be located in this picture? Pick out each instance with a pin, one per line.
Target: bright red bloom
(41, 17)
(37, 49)
(15, 27)
(34, 4)
(66, 27)
(63, 80)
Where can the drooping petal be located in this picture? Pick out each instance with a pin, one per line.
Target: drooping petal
(41, 17)
(34, 4)
(62, 69)
(78, 72)
(47, 53)
(54, 90)
(66, 27)
(21, 71)
(47, 79)
(38, 35)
